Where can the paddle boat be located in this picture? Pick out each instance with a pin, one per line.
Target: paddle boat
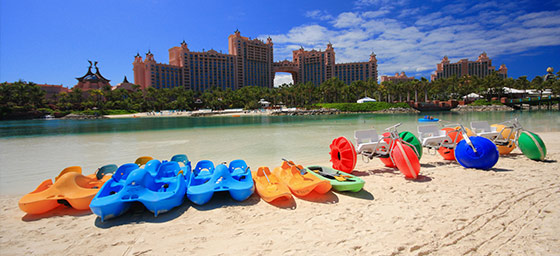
(340, 181)
(390, 148)
(512, 134)
(300, 181)
(428, 119)
(159, 186)
(70, 188)
(206, 180)
(268, 186)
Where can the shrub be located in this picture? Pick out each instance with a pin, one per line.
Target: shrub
(363, 107)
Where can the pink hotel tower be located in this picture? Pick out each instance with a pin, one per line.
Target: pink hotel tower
(480, 67)
(250, 62)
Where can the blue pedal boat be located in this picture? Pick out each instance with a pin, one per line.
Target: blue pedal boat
(207, 179)
(159, 186)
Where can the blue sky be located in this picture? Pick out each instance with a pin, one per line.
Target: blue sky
(51, 41)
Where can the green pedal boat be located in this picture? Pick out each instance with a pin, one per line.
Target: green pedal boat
(340, 181)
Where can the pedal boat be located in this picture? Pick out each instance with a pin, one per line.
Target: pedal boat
(206, 180)
(70, 188)
(159, 186)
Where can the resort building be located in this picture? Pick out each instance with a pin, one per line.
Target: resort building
(481, 68)
(51, 90)
(125, 84)
(397, 78)
(318, 66)
(250, 62)
(91, 80)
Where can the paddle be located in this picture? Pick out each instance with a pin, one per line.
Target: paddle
(336, 176)
(301, 171)
(271, 187)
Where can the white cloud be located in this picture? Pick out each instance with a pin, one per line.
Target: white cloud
(319, 15)
(347, 19)
(280, 79)
(415, 44)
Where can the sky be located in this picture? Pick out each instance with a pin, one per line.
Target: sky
(52, 41)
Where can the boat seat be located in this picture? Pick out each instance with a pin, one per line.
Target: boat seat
(483, 129)
(204, 169)
(369, 141)
(432, 137)
(238, 168)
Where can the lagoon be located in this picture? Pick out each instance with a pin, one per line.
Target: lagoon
(34, 150)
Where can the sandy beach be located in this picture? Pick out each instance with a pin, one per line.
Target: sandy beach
(513, 209)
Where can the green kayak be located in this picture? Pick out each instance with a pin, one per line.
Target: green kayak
(410, 138)
(340, 181)
(532, 146)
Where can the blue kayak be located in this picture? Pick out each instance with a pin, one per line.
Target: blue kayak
(206, 179)
(428, 119)
(159, 186)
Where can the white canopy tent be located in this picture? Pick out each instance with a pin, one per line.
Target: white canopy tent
(366, 99)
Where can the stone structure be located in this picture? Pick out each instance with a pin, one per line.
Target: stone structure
(250, 62)
(52, 90)
(91, 80)
(397, 78)
(481, 68)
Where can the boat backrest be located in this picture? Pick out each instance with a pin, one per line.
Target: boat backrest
(152, 166)
(425, 131)
(180, 158)
(481, 126)
(168, 169)
(366, 136)
(106, 169)
(237, 164)
(143, 160)
(77, 169)
(123, 171)
(203, 165)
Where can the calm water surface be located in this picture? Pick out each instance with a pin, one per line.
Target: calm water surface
(34, 150)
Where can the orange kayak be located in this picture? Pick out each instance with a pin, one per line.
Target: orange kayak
(301, 185)
(269, 186)
(70, 188)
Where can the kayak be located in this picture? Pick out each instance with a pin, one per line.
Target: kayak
(340, 181)
(300, 184)
(268, 186)
(428, 120)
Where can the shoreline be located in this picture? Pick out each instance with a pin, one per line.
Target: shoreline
(513, 208)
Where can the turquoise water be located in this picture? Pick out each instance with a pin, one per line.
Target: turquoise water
(535, 120)
(35, 150)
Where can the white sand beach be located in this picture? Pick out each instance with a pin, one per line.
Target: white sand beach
(513, 209)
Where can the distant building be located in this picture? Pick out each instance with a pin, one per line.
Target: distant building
(250, 62)
(51, 90)
(397, 78)
(125, 85)
(91, 80)
(481, 68)
(318, 66)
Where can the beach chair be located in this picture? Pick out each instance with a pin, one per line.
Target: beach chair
(432, 136)
(483, 129)
(369, 142)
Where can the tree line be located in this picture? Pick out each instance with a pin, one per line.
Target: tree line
(25, 99)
